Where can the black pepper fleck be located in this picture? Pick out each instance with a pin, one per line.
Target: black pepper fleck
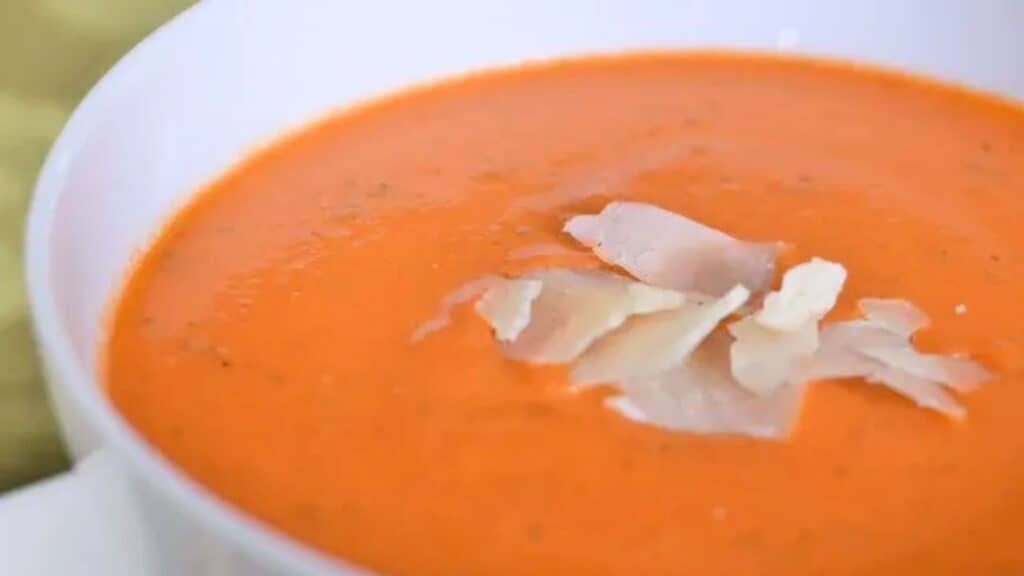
(699, 150)
(534, 532)
(198, 345)
(747, 538)
(537, 411)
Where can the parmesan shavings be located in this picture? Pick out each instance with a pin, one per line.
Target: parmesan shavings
(808, 292)
(626, 407)
(762, 360)
(461, 295)
(659, 341)
(700, 396)
(665, 249)
(576, 307)
(840, 343)
(924, 393)
(898, 316)
(881, 352)
(506, 306)
(774, 344)
(960, 374)
(649, 345)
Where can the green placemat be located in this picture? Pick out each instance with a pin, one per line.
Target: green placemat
(51, 52)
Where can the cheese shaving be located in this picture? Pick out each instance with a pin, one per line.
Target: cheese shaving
(648, 345)
(665, 249)
(808, 292)
(960, 374)
(460, 295)
(576, 307)
(762, 359)
(506, 306)
(775, 344)
(624, 406)
(838, 354)
(700, 396)
(863, 349)
(923, 392)
(898, 316)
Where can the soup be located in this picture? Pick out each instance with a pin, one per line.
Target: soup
(263, 343)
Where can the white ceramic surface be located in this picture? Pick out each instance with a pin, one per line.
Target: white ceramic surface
(230, 74)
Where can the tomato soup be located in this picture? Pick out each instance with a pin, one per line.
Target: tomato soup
(264, 342)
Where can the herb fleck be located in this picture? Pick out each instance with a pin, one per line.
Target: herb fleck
(534, 532)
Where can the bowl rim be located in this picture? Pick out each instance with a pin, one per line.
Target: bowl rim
(66, 372)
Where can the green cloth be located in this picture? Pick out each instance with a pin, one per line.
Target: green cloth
(51, 52)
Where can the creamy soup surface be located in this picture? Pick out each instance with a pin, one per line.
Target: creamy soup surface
(263, 343)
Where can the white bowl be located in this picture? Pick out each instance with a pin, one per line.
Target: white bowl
(229, 75)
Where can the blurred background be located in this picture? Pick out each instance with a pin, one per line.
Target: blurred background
(51, 53)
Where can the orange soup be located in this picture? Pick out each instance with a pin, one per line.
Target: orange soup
(264, 341)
